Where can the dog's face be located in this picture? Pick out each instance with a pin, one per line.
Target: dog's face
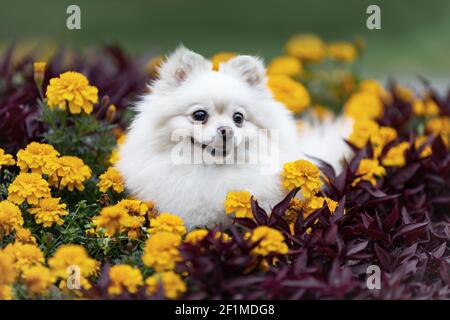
(216, 111)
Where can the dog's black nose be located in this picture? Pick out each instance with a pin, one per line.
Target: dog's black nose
(225, 131)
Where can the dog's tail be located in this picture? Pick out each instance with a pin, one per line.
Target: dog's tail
(324, 139)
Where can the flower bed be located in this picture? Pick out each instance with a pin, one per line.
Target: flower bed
(68, 229)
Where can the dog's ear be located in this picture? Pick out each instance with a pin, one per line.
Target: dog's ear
(179, 65)
(248, 68)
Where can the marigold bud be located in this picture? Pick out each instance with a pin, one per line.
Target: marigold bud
(39, 71)
(111, 113)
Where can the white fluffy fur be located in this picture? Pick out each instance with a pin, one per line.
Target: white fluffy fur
(197, 192)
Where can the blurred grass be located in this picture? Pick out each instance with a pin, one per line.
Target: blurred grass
(414, 38)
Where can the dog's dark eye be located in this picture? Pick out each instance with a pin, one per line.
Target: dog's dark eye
(238, 118)
(200, 115)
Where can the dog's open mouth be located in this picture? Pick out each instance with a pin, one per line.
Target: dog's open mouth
(210, 148)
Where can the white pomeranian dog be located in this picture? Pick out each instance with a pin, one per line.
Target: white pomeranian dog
(201, 133)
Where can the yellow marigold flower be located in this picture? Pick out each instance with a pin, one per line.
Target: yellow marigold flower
(306, 47)
(221, 235)
(395, 157)
(37, 279)
(71, 89)
(152, 211)
(440, 126)
(69, 255)
(37, 157)
(316, 203)
(285, 65)
(111, 219)
(196, 236)
(28, 187)
(370, 85)
(381, 138)
(132, 225)
(111, 179)
(166, 222)
(161, 251)
(295, 207)
(134, 207)
(24, 255)
(425, 107)
(369, 169)
(6, 293)
(7, 270)
(289, 92)
(403, 93)
(10, 218)
(313, 204)
(420, 141)
(6, 159)
(239, 203)
(121, 140)
(363, 129)
(49, 211)
(123, 276)
(332, 205)
(24, 235)
(115, 156)
(342, 51)
(303, 174)
(364, 105)
(221, 57)
(172, 283)
(71, 173)
(271, 241)
(137, 211)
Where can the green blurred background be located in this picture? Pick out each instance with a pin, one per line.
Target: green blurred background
(415, 35)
